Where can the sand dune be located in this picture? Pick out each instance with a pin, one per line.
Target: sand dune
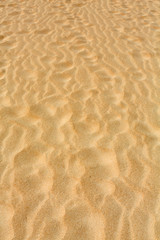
(79, 120)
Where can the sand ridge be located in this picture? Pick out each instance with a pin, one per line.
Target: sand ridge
(79, 120)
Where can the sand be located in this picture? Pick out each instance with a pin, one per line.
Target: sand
(80, 120)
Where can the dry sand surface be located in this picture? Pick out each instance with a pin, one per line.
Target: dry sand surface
(80, 120)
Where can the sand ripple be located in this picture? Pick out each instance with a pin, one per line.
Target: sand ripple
(79, 120)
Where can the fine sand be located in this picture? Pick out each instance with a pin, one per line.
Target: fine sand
(80, 120)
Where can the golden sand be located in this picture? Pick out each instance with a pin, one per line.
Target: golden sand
(80, 120)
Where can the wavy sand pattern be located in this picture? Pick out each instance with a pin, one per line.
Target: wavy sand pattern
(79, 120)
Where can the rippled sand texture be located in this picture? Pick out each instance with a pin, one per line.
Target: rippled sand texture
(80, 120)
